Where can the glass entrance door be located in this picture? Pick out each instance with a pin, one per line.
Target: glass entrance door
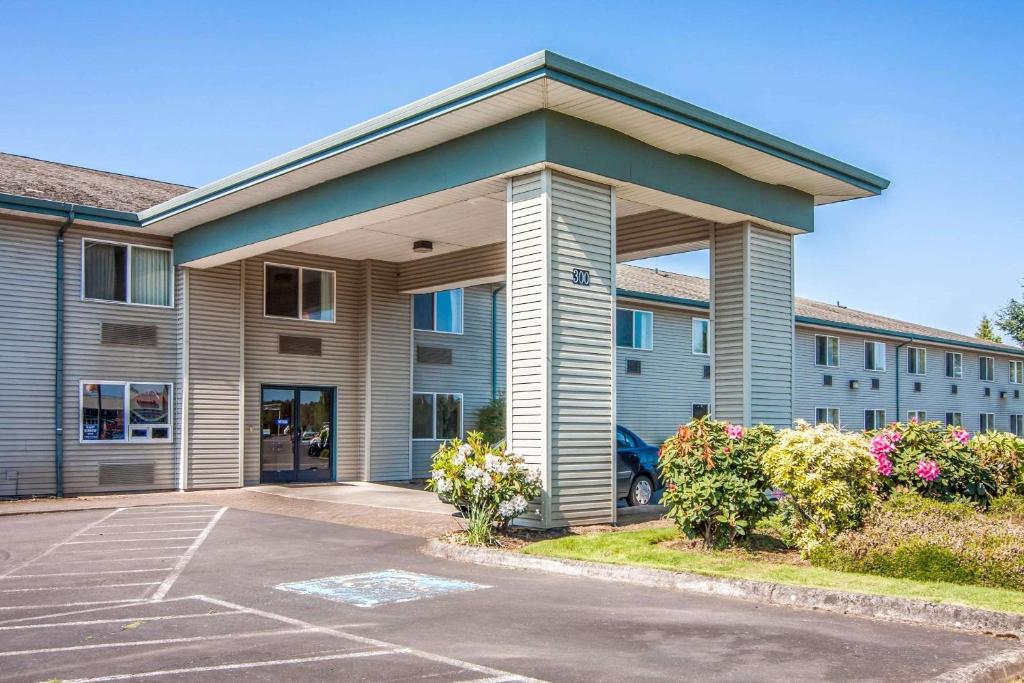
(296, 434)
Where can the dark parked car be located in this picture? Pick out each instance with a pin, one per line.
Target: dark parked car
(637, 468)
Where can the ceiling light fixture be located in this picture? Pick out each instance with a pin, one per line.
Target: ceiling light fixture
(423, 246)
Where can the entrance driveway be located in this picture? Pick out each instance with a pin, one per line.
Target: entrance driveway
(199, 592)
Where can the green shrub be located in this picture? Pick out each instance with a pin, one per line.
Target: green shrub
(934, 460)
(714, 485)
(490, 420)
(1001, 454)
(1011, 506)
(912, 537)
(827, 477)
(490, 485)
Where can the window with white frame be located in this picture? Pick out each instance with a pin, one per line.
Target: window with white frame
(954, 364)
(916, 360)
(127, 273)
(826, 416)
(874, 356)
(954, 420)
(438, 311)
(874, 419)
(634, 329)
(298, 292)
(699, 410)
(917, 416)
(988, 422)
(436, 416)
(1017, 425)
(701, 336)
(826, 350)
(987, 371)
(125, 411)
(1017, 372)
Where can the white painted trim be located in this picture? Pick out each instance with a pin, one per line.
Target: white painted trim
(128, 273)
(125, 384)
(613, 269)
(241, 374)
(713, 317)
(368, 374)
(545, 316)
(185, 382)
(301, 269)
(747, 351)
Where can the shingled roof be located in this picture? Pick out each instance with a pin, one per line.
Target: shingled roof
(674, 285)
(30, 177)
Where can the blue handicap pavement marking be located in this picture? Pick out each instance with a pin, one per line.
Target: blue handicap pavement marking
(379, 588)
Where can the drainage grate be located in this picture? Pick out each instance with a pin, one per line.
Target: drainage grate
(127, 334)
(126, 473)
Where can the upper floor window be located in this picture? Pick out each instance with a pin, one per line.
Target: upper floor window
(701, 336)
(826, 416)
(125, 411)
(1017, 372)
(874, 356)
(298, 292)
(634, 329)
(127, 273)
(438, 311)
(826, 351)
(987, 371)
(916, 360)
(954, 364)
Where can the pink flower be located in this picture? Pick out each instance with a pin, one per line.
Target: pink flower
(882, 444)
(884, 466)
(734, 432)
(928, 470)
(962, 435)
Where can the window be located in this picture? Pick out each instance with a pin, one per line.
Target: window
(918, 415)
(699, 410)
(1017, 425)
(438, 311)
(126, 273)
(298, 292)
(826, 351)
(916, 360)
(874, 356)
(634, 329)
(1017, 372)
(987, 369)
(988, 422)
(624, 440)
(826, 416)
(105, 406)
(700, 338)
(436, 416)
(874, 419)
(954, 420)
(954, 364)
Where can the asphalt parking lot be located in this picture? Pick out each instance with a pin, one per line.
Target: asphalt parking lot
(204, 593)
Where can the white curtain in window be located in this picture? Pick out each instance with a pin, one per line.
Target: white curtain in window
(151, 276)
(102, 270)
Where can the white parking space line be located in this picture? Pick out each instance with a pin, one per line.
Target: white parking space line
(65, 605)
(119, 620)
(96, 560)
(105, 606)
(161, 641)
(138, 524)
(83, 551)
(106, 571)
(59, 544)
(194, 527)
(132, 540)
(185, 558)
(232, 667)
(77, 588)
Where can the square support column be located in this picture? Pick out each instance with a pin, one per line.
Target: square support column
(561, 343)
(752, 323)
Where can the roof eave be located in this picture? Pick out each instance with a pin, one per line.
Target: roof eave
(49, 207)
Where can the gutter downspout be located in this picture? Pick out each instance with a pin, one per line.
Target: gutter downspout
(58, 357)
(898, 347)
(494, 341)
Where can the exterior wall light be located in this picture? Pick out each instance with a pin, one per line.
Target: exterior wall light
(855, 384)
(423, 246)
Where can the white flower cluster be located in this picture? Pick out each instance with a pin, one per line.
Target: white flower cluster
(494, 463)
(442, 483)
(513, 507)
(472, 472)
(533, 475)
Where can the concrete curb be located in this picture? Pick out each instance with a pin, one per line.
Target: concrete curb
(998, 668)
(880, 607)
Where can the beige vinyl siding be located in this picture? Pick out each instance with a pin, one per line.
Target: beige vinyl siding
(582, 353)
(462, 268)
(27, 327)
(340, 365)
(659, 232)
(526, 322)
(728, 306)
(214, 367)
(470, 371)
(86, 358)
(770, 295)
(654, 403)
(389, 320)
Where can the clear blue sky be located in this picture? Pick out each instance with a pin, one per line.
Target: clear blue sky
(927, 94)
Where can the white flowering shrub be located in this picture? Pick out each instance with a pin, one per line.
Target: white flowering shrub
(490, 485)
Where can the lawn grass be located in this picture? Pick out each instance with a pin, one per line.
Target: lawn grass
(642, 548)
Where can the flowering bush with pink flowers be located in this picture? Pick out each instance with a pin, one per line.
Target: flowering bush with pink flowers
(937, 462)
(715, 487)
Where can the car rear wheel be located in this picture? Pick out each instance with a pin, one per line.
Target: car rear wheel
(640, 491)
